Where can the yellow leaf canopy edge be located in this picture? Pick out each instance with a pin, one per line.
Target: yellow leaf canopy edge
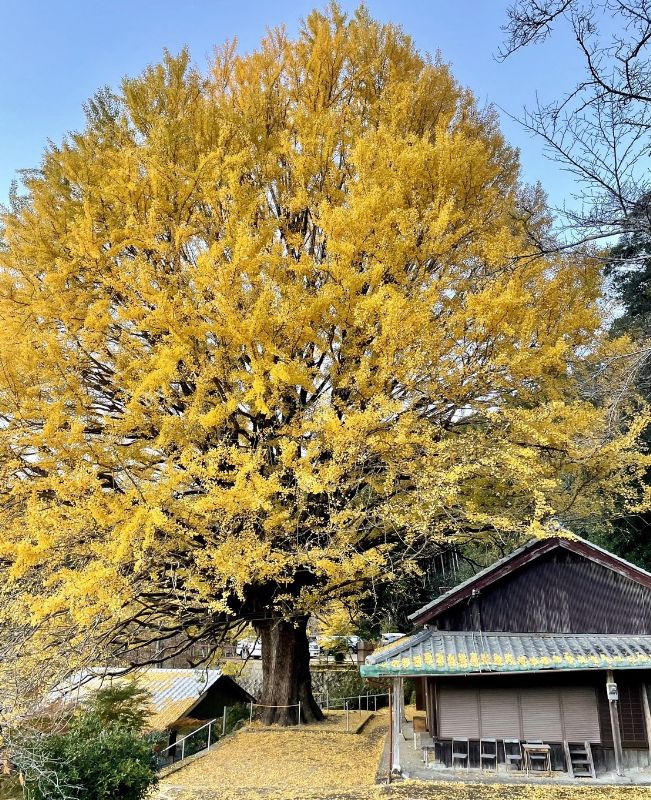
(265, 331)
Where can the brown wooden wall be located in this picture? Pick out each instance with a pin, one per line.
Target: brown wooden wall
(631, 711)
(561, 592)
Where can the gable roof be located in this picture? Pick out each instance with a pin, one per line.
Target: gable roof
(532, 550)
(174, 692)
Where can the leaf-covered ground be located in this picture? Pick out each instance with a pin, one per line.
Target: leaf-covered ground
(282, 760)
(10, 788)
(330, 765)
(419, 790)
(416, 790)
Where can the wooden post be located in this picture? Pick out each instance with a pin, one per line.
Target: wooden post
(647, 716)
(395, 754)
(614, 724)
(390, 733)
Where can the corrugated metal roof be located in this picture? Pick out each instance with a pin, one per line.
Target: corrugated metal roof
(452, 653)
(174, 692)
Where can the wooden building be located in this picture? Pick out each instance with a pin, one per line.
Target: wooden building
(551, 643)
(180, 700)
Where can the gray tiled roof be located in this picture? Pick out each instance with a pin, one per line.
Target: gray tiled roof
(451, 653)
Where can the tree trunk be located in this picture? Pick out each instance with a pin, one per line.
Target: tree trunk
(286, 678)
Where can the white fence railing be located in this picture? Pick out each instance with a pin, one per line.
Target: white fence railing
(202, 738)
(253, 705)
(357, 702)
(189, 745)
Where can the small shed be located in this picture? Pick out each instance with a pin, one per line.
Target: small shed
(551, 643)
(181, 699)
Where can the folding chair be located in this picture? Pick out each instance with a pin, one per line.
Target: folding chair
(461, 751)
(488, 753)
(512, 754)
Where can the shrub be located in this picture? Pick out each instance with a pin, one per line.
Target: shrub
(236, 714)
(101, 753)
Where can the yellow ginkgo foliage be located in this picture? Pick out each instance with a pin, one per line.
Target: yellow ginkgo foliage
(265, 331)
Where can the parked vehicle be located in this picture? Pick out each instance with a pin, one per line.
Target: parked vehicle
(338, 644)
(249, 648)
(315, 650)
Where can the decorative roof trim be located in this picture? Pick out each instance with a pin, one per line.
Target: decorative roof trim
(446, 653)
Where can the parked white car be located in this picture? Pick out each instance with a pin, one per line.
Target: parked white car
(249, 648)
(315, 649)
(333, 644)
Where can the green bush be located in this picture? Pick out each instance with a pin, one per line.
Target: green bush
(235, 714)
(101, 753)
(409, 688)
(346, 683)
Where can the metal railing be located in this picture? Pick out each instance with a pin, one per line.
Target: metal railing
(188, 749)
(357, 702)
(202, 738)
(253, 705)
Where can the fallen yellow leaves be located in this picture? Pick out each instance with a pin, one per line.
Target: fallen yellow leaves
(421, 790)
(327, 764)
(335, 722)
(289, 760)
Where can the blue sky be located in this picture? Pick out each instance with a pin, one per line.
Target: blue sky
(53, 56)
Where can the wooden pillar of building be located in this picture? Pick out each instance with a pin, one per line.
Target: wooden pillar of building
(396, 726)
(431, 708)
(647, 716)
(613, 705)
(420, 693)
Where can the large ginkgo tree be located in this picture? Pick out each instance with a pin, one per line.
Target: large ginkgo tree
(266, 333)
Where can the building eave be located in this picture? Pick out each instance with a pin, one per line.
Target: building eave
(447, 653)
